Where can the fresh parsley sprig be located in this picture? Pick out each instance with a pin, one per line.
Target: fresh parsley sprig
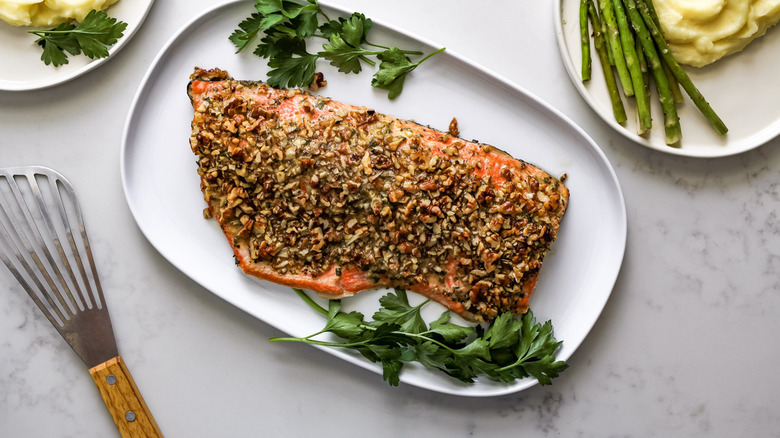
(509, 349)
(286, 26)
(92, 37)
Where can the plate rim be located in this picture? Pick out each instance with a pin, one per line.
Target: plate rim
(620, 235)
(754, 141)
(21, 86)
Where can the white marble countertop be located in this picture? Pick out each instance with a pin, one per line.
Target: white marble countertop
(686, 346)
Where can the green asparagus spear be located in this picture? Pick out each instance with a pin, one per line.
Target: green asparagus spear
(646, 75)
(606, 43)
(613, 37)
(673, 84)
(668, 106)
(701, 103)
(644, 117)
(640, 55)
(585, 40)
(618, 110)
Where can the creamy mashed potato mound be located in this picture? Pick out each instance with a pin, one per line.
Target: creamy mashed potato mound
(700, 32)
(45, 13)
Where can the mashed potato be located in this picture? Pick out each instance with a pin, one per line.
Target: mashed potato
(46, 13)
(702, 31)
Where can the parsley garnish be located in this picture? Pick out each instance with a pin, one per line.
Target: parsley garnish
(287, 25)
(91, 37)
(507, 350)
(393, 70)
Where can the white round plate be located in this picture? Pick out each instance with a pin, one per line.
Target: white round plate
(159, 176)
(23, 69)
(741, 88)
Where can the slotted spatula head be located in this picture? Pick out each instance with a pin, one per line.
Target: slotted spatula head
(43, 242)
(45, 246)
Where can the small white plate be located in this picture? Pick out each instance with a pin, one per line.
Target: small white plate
(159, 176)
(21, 57)
(741, 88)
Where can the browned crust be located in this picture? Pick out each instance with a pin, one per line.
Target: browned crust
(487, 160)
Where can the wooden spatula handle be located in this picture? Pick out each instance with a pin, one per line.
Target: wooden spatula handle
(123, 399)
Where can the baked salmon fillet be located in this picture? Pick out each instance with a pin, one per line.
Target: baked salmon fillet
(336, 198)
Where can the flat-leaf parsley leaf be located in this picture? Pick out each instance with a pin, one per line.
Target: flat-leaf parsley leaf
(92, 37)
(393, 69)
(287, 26)
(509, 349)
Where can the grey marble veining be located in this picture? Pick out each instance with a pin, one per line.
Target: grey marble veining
(687, 345)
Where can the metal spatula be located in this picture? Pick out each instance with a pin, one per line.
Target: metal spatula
(44, 244)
